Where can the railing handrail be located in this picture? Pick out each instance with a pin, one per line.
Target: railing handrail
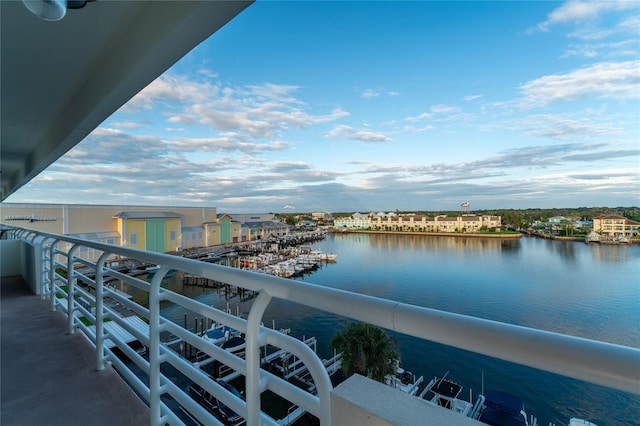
(606, 364)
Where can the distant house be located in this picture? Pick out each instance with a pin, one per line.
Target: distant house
(321, 215)
(582, 224)
(192, 236)
(260, 226)
(557, 219)
(307, 225)
(222, 230)
(614, 226)
(559, 225)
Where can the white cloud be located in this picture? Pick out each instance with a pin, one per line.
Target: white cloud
(444, 109)
(581, 11)
(128, 125)
(348, 132)
(420, 117)
(370, 94)
(168, 88)
(614, 80)
(254, 111)
(224, 144)
(565, 128)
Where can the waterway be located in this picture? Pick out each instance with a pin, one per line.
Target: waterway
(583, 290)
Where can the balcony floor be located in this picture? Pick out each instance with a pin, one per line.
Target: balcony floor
(48, 376)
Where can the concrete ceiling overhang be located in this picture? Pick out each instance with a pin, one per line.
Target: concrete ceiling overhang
(60, 80)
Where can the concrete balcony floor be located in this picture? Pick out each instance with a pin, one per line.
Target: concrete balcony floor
(48, 376)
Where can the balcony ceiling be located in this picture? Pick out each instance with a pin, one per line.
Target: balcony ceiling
(60, 80)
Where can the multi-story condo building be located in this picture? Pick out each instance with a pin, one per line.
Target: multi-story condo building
(422, 223)
(351, 223)
(615, 226)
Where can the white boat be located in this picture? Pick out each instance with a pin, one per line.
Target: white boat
(404, 381)
(579, 422)
(331, 257)
(152, 269)
(319, 255)
(284, 269)
(444, 393)
(306, 262)
(234, 344)
(219, 333)
(225, 337)
(592, 237)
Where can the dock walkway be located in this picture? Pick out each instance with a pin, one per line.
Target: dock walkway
(47, 376)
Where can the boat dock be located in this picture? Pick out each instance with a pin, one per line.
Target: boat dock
(274, 360)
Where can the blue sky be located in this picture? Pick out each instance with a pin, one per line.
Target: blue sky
(299, 106)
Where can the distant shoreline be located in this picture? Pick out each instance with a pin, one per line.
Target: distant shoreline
(470, 235)
(434, 234)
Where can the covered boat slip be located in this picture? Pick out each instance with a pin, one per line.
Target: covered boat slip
(48, 376)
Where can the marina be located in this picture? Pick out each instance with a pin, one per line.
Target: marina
(416, 255)
(569, 287)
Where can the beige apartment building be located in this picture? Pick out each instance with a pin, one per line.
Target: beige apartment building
(159, 229)
(615, 226)
(422, 223)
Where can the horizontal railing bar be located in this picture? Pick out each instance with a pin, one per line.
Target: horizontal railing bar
(210, 312)
(136, 282)
(195, 410)
(138, 384)
(180, 396)
(226, 357)
(84, 262)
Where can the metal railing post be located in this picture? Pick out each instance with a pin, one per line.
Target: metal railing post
(100, 311)
(52, 274)
(252, 356)
(71, 281)
(154, 346)
(44, 272)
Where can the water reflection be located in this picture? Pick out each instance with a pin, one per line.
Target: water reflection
(565, 249)
(610, 253)
(434, 243)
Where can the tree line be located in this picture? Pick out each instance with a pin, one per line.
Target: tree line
(523, 218)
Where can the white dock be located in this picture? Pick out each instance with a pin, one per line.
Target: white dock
(112, 328)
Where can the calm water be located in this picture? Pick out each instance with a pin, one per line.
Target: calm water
(572, 288)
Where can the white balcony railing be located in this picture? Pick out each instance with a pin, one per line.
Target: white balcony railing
(601, 363)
